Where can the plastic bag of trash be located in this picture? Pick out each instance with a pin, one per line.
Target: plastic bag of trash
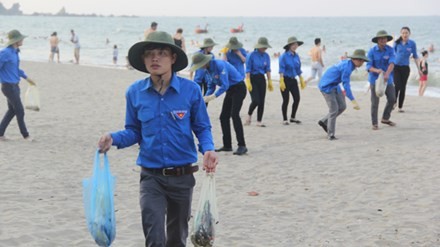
(99, 202)
(32, 98)
(206, 218)
(381, 85)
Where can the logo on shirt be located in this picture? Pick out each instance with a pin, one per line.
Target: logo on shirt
(180, 114)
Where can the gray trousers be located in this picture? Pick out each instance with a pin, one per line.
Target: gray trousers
(390, 93)
(336, 105)
(165, 200)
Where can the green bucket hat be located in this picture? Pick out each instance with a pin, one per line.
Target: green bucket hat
(292, 40)
(382, 34)
(359, 54)
(199, 60)
(208, 42)
(136, 52)
(234, 44)
(262, 43)
(14, 36)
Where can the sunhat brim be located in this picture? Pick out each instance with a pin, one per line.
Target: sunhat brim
(259, 46)
(235, 46)
(15, 40)
(195, 66)
(389, 38)
(298, 42)
(359, 57)
(208, 45)
(135, 56)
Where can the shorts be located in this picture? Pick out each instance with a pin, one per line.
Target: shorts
(424, 77)
(54, 49)
(316, 69)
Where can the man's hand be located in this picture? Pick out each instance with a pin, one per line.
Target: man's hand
(31, 82)
(210, 161)
(105, 143)
(209, 98)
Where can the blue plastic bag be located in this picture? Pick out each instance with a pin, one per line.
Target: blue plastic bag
(99, 202)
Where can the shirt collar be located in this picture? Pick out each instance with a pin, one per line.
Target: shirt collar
(174, 83)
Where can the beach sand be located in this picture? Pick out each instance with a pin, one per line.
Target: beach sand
(369, 188)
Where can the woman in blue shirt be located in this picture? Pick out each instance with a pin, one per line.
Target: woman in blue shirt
(10, 74)
(404, 48)
(221, 74)
(257, 65)
(290, 68)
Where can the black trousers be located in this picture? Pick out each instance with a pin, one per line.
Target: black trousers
(401, 74)
(292, 88)
(231, 108)
(166, 208)
(258, 95)
(15, 109)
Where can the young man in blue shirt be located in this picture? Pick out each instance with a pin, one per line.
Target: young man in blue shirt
(382, 59)
(162, 113)
(10, 74)
(222, 74)
(329, 86)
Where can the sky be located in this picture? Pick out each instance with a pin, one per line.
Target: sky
(289, 8)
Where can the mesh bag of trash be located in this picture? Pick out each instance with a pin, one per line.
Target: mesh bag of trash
(98, 197)
(206, 218)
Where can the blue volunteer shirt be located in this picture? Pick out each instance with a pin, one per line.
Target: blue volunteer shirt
(336, 74)
(199, 75)
(10, 71)
(380, 59)
(236, 61)
(223, 74)
(257, 63)
(163, 125)
(404, 51)
(290, 64)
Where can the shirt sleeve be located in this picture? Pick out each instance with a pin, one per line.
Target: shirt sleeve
(199, 76)
(346, 72)
(201, 125)
(298, 68)
(371, 58)
(282, 65)
(249, 63)
(22, 74)
(414, 51)
(392, 56)
(224, 80)
(132, 132)
(268, 63)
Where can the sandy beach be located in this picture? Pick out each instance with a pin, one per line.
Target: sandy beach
(369, 188)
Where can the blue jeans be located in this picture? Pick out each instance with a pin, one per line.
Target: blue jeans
(15, 109)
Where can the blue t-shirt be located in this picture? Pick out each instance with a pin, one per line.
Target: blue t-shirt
(257, 63)
(336, 74)
(223, 74)
(236, 61)
(290, 64)
(404, 51)
(163, 125)
(380, 59)
(10, 71)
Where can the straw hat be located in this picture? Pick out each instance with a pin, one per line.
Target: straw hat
(262, 43)
(14, 36)
(382, 34)
(199, 60)
(359, 54)
(234, 44)
(292, 40)
(136, 52)
(208, 42)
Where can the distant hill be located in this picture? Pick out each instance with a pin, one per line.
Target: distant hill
(15, 10)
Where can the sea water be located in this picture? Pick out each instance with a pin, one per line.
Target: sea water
(339, 35)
